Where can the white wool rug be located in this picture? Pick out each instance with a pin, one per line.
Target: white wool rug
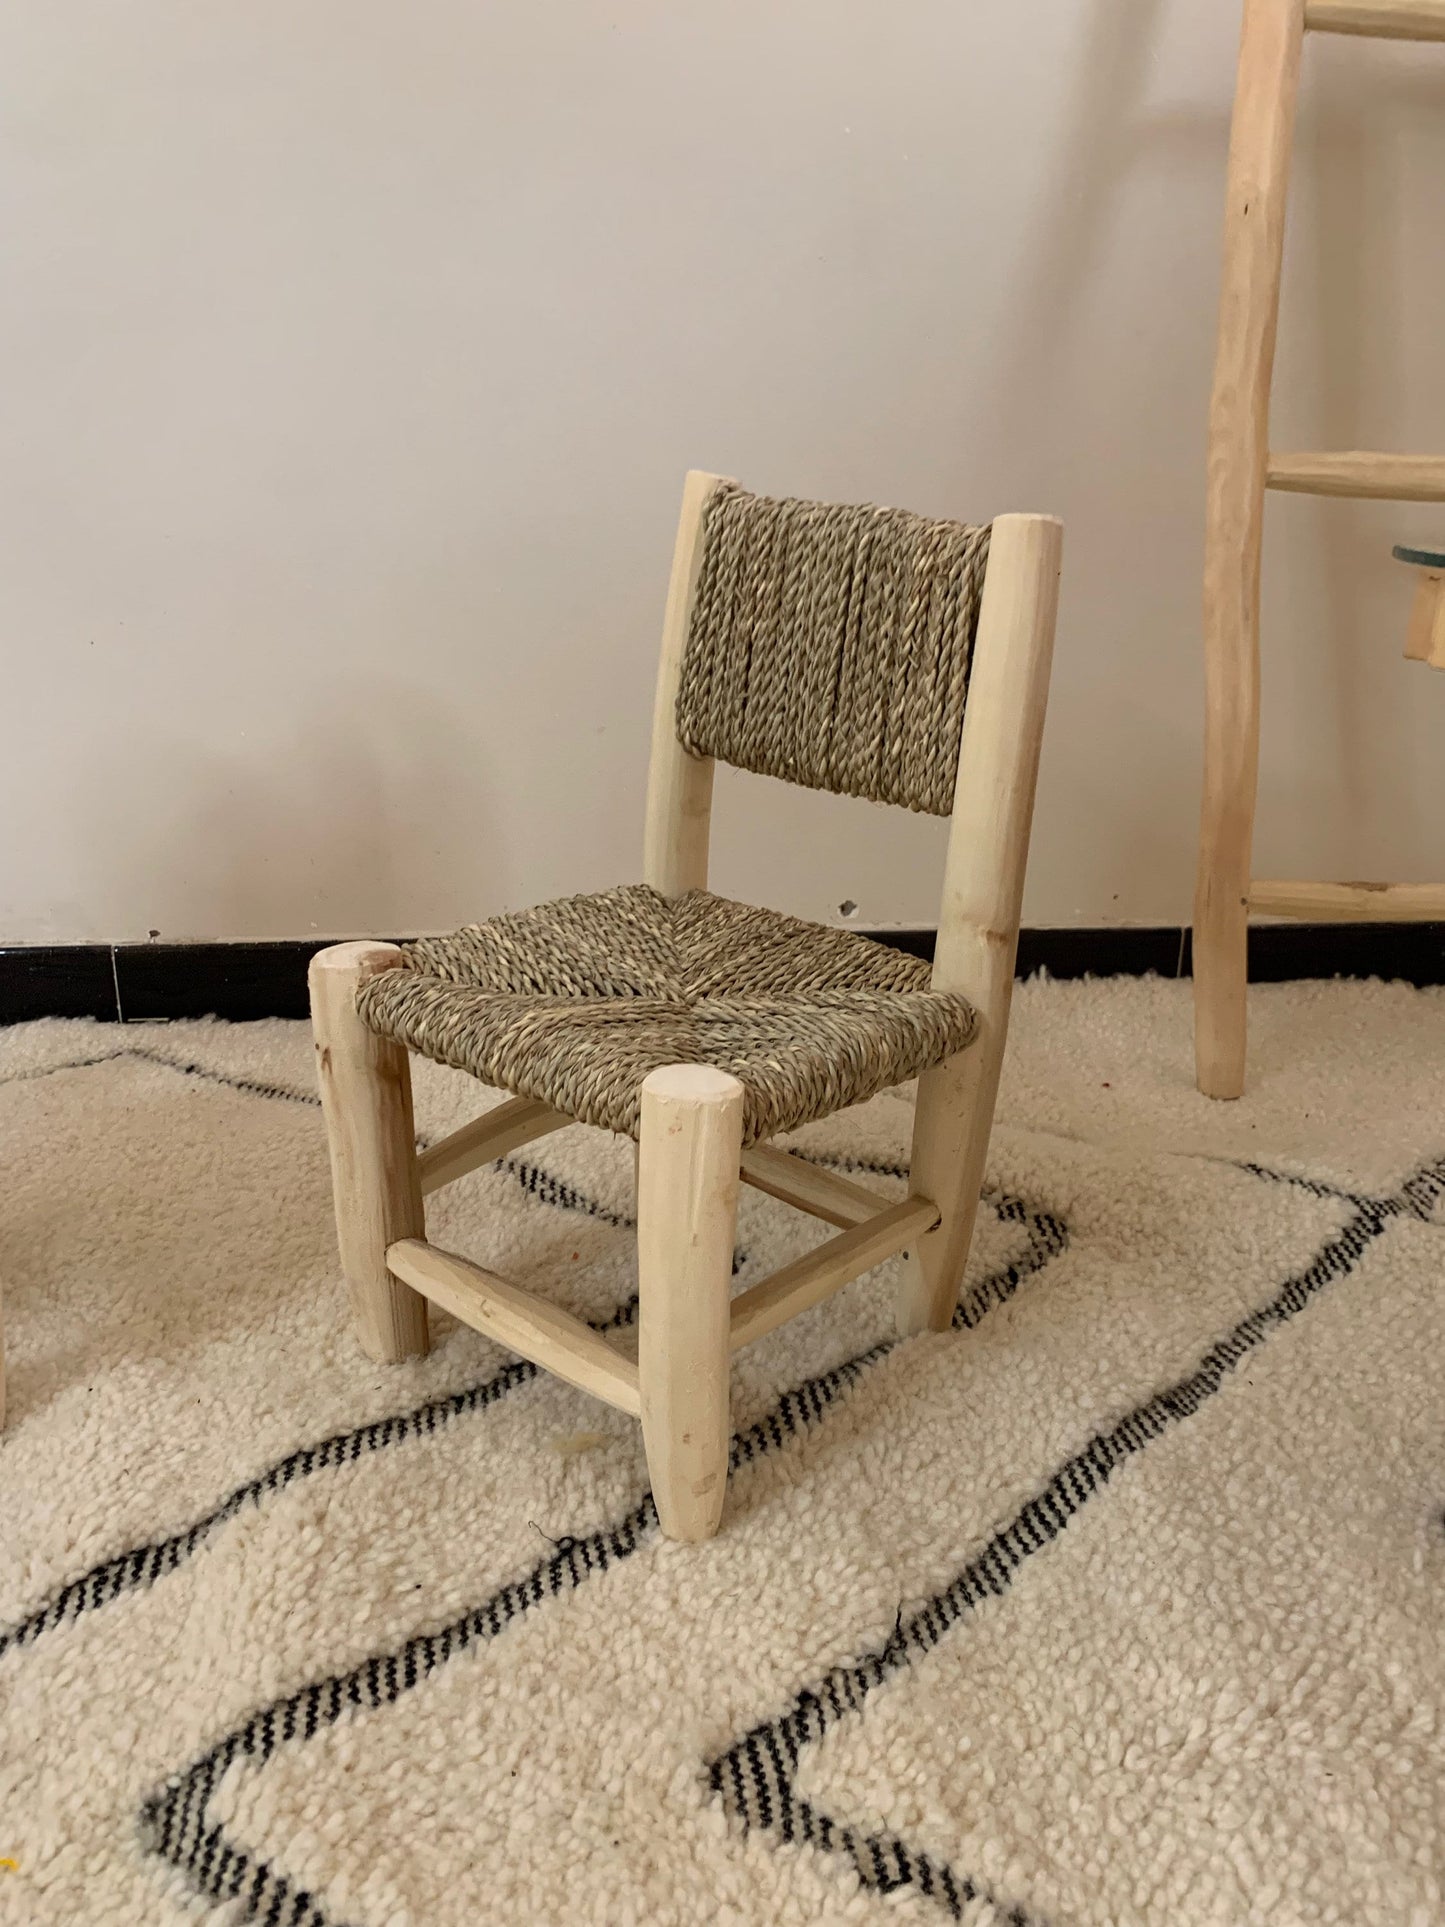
(1123, 1602)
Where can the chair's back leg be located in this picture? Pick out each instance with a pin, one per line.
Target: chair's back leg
(687, 1200)
(366, 1096)
(1259, 157)
(982, 897)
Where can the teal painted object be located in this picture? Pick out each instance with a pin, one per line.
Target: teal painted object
(1422, 558)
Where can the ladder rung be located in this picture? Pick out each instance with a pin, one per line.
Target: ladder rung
(1386, 19)
(1391, 478)
(1351, 902)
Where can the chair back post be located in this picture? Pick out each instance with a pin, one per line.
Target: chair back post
(679, 785)
(998, 763)
(983, 884)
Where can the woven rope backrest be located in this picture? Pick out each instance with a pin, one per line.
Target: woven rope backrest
(831, 646)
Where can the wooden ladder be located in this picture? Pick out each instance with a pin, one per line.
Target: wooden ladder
(1241, 466)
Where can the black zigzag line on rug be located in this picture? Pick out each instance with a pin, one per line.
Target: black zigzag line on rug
(755, 1778)
(187, 1068)
(537, 1183)
(141, 1566)
(174, 1821)
(546, 1189)
(1414, 1199)
(1047, 1238)
(1401, 1201)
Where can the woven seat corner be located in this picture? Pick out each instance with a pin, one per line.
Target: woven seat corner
(576, 1001)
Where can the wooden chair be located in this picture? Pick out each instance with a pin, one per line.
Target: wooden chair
(859, 650)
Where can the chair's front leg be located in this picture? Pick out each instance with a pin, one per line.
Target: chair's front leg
(687, 1200)
(951, 1126)
(366, 1096)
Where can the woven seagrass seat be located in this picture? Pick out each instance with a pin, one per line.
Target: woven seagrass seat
(577, 1001)
(865, 651)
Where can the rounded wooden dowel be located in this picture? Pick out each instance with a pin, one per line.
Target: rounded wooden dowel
(1378, 19)
(366, 1097)
(687, 1196)
(1360, 475)
(1350, 902)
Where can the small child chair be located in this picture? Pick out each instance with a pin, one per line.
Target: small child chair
(866, 651)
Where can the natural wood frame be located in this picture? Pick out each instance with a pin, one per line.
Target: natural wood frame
(690, 1160)
(1240, 468)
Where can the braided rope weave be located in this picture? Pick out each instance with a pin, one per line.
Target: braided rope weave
(576, 1001)
(831, 646)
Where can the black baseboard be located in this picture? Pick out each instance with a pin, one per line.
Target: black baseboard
(148, 982)
(1117, 952)
(1412, 953)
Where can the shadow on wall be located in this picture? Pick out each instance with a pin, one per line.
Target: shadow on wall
(1149, 409)
(1102, 140)
(308, 848)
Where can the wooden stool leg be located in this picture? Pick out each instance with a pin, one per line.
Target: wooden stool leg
(688, 1175)
(366, 1096)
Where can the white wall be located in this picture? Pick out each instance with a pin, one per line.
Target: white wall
(355, 353)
